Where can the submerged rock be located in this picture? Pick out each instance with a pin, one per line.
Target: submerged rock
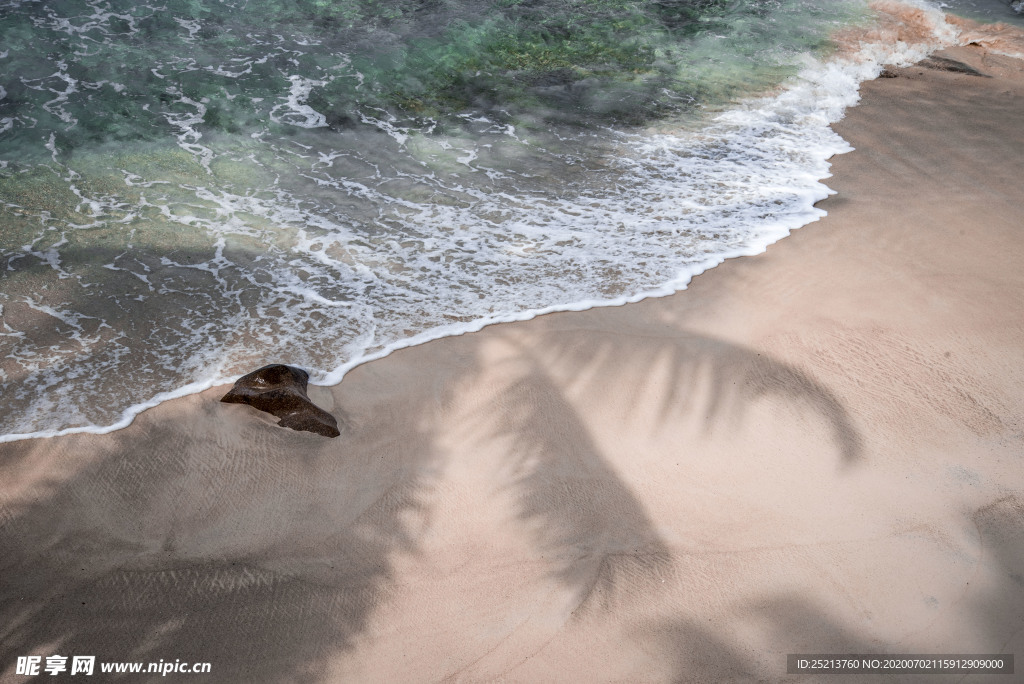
(281, 391)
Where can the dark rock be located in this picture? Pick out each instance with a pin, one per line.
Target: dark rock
(281, 391)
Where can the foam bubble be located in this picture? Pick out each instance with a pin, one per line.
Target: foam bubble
(186, 122)
(294, 111)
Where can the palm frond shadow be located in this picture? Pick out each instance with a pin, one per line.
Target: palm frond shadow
(261, 550)
(590, 526)
(716, 378)
(696, 651)
(267, 553)
(584, 518)
(1000, 612)
(165, 548)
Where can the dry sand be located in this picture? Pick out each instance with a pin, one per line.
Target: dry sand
(819, 449)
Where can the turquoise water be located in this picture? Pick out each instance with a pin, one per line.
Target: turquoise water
(193, 189)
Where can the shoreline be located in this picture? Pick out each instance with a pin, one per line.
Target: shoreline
(833, 84)
(814, 449)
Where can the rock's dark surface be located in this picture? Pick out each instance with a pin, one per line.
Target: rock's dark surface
(281, 391)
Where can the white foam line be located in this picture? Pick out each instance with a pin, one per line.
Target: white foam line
(401, 135)
(334, 377)
(127, 416)
(191, 26)
(189, 136)
(297, 112)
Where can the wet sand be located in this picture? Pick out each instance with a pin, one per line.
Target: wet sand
(818, 449)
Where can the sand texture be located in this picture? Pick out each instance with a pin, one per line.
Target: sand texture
(818, 449)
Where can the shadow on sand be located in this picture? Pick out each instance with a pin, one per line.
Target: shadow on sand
(700, 652)
(265, 551)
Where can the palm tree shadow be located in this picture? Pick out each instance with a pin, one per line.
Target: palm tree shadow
(265, 552)
(216, 544)
(205, 534)
(696, 652)
(994, 617)
(716, 378)
(1000, 612)
(585, 519)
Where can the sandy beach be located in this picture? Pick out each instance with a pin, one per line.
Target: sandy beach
(819, 449)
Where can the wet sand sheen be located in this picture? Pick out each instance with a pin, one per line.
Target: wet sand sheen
(812, 450)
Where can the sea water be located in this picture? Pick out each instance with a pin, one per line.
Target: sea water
(990, 11)
(191, 189)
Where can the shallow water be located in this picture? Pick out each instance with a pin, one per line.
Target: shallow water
(195, 189)
(991, 11)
